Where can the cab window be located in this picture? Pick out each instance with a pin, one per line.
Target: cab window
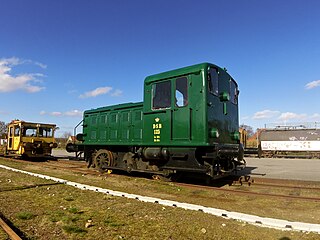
(161, 95)
(45, 132)
(181, 92)
(11, 132)
(234, 92)
(213, 81)
(30, 132)
(17, 131)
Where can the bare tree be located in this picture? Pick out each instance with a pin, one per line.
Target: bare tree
(249, 129)
(3, 129)
(66, 135)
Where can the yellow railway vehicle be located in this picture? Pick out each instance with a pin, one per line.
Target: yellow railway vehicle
(28, 139)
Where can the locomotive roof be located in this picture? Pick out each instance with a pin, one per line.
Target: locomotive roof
(31, 123)
(180, 72)
(115, 107)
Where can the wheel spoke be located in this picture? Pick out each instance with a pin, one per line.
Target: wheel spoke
(103, 159)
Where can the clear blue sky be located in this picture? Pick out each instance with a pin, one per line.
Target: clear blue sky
(59, 58)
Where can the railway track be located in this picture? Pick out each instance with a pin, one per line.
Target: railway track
(69, 165)
(274, 183)
(247, 192)
(262, 184)
(253, 187)
(11, 233)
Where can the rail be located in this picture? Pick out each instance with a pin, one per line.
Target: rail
(12, 235)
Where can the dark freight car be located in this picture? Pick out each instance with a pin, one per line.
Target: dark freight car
(188, 122)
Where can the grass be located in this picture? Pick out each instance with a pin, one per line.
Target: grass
(3, 234)
(73, 229)
(69, 198)
(110, 221)
(61, 211)
(25, 215)
(74, 210)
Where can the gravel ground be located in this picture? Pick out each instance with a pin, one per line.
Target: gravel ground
(283, 168)
(61, 153)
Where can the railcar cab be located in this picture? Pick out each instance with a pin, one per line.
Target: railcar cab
(30, 139)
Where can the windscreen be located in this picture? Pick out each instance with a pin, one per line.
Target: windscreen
(161, 95)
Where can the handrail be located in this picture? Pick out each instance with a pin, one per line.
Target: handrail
(75, 130)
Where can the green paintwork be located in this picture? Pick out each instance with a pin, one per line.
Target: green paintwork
(206, 119)
(114, 125)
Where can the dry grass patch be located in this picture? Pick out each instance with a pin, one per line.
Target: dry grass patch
(63, 212)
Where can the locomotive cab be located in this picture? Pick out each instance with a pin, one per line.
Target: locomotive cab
(194, 110)
(197, 105)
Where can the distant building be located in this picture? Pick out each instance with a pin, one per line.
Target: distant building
(72, 139)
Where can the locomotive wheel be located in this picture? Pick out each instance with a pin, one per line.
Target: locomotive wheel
(103, 159)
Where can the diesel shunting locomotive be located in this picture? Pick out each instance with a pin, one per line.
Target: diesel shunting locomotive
(188, 122)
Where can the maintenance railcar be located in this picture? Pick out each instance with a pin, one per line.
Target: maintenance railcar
(188, 122)
(30, 139)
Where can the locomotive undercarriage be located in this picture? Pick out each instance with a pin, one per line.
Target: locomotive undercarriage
(216, 162)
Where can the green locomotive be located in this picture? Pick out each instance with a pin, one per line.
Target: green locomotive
(188, 122)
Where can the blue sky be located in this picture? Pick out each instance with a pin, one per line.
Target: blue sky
(59, 58)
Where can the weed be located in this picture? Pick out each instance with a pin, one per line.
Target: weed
(56, 216)
(69, 199)
(113, 223)
(54, 219)
(74, 210)
(25, 215)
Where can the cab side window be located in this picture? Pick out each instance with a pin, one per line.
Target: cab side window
(45, 132)
(213, 81)
(30, 132)
(161, 95)
(181, 92)
(16, 131)
(11, 132)
(233, 92)
(48, 132)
